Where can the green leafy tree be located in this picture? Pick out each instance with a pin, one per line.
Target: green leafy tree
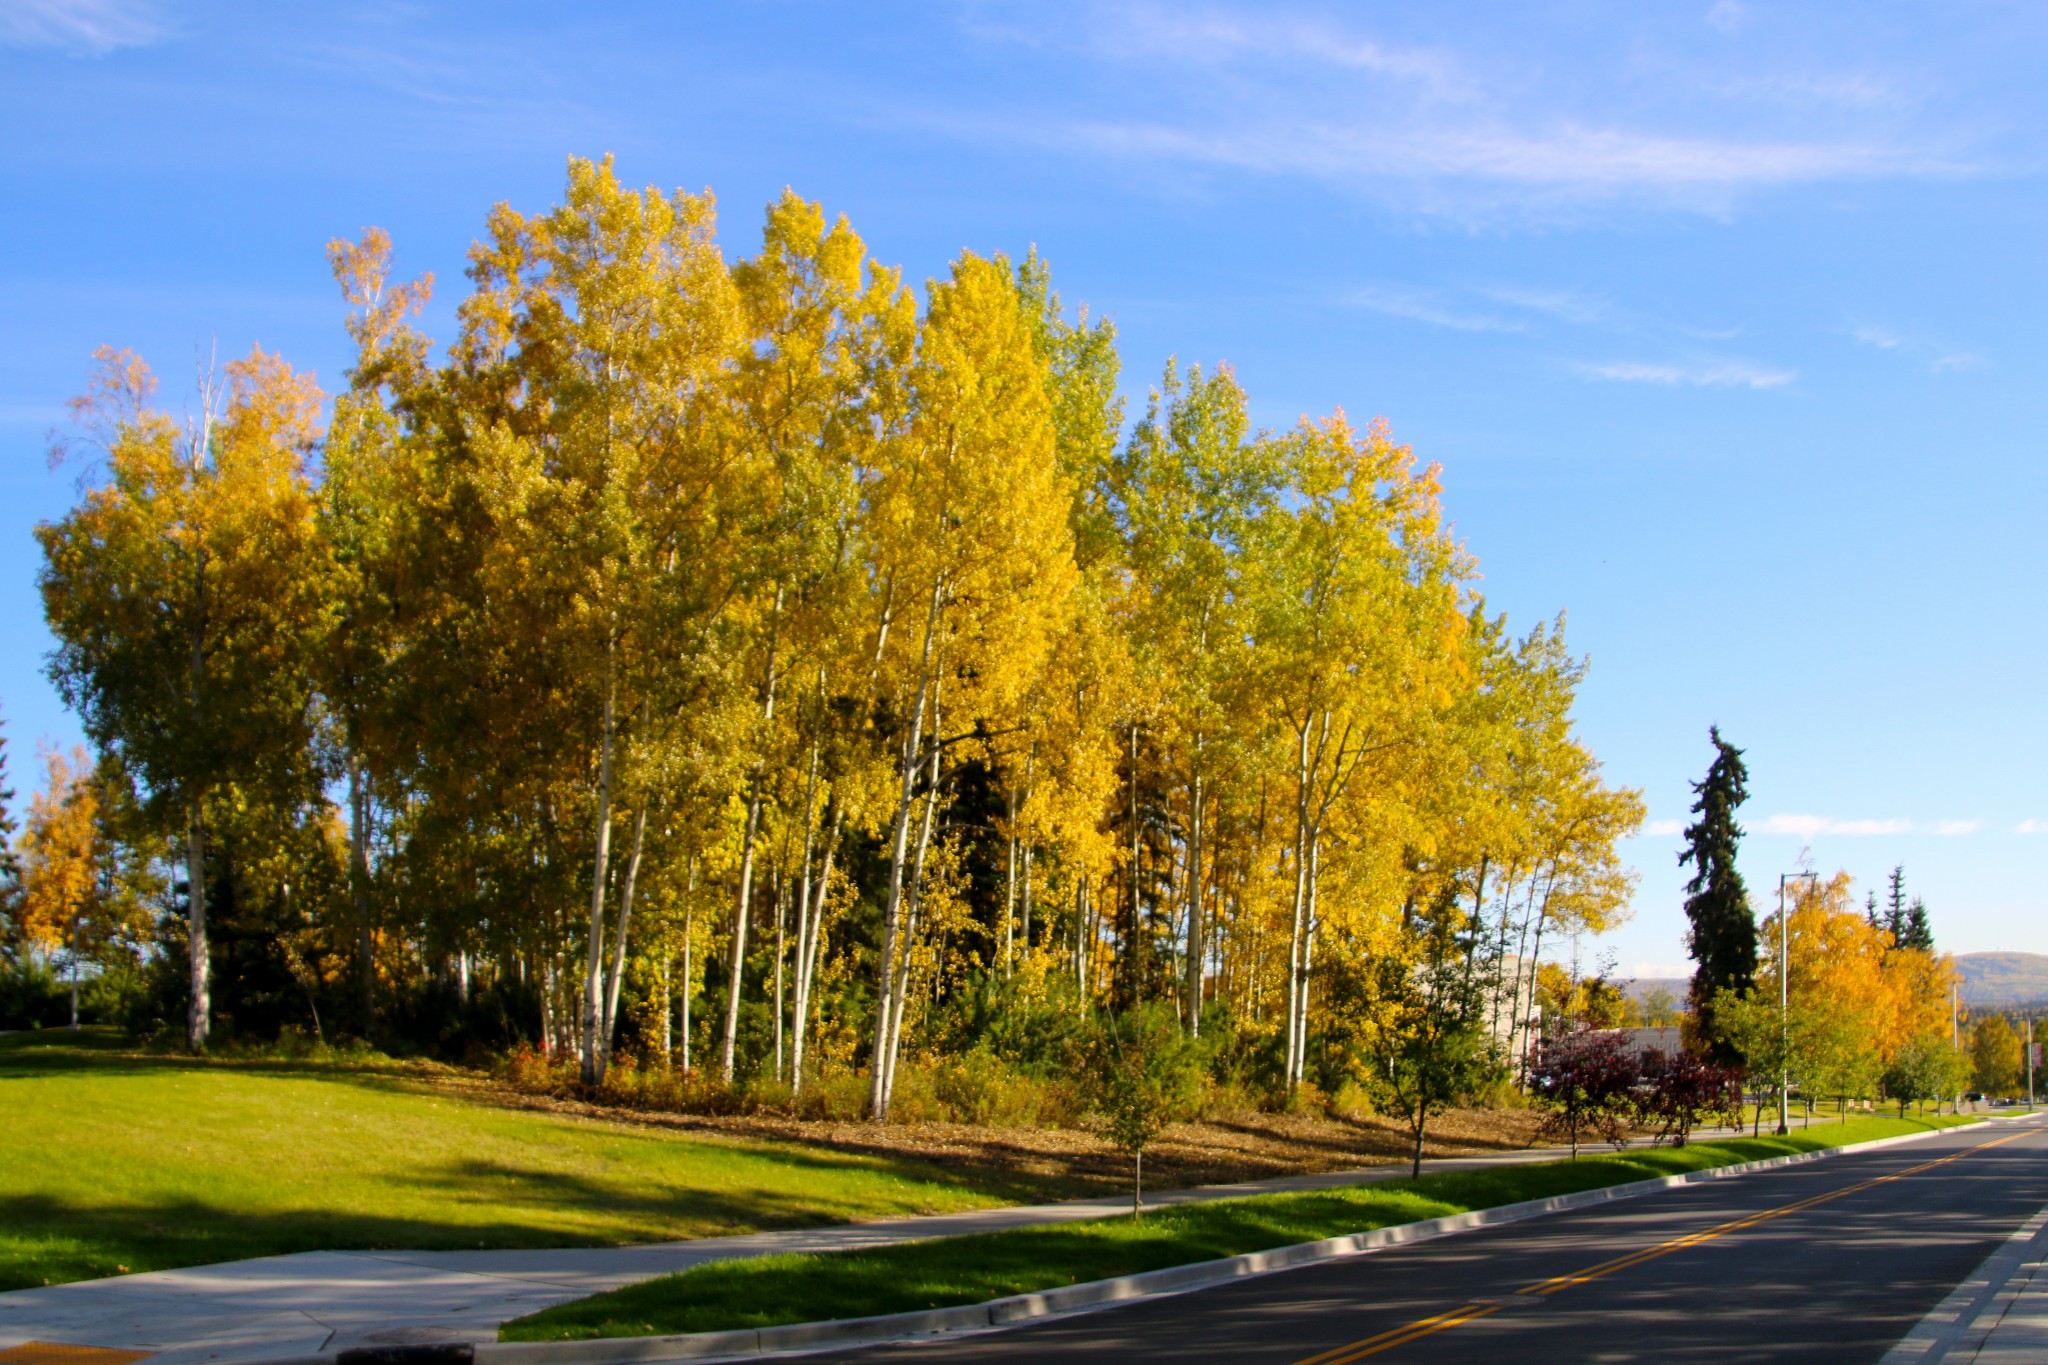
(1995, 1056)
(1139, 1073)
(183, 592)
(1722, 938)
(1425, 1022)
(1750, 1026)
(1918, 1072)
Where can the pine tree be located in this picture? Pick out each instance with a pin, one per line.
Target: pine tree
(1722, 939)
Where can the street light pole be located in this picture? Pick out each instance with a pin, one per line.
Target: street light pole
(1785, 997)
(2030, 1063)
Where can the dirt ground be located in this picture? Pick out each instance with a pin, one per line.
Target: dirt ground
(1248, 1146)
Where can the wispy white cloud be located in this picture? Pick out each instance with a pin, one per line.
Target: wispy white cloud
(1659, 971)
(1808, 826)
(1938, 359)
(2031, 826)
(1565, 156)
(1727, 16)
(1473, 132)
(1731, 374)
(1566, 305)
(86, 27)
(1663, 829)
(1212, 35)
(1419, 306)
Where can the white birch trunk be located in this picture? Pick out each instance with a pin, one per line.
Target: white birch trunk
(899, 847)
(618, 972)
(199, 1018)
(593, 972)
(807, 952)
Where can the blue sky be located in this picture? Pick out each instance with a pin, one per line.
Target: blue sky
(1724, 319)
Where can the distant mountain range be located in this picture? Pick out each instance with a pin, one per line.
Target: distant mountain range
(1989, 979)
(2004, 978)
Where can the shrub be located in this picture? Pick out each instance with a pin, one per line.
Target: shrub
(1587, 1081)
(1681, 1090)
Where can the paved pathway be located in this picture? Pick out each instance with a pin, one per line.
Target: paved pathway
(330, 1300)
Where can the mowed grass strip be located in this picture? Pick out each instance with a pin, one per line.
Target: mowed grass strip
(771, 1291)
(112, 1160)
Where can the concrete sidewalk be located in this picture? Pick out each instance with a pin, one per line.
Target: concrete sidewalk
(1998, 1316)
(332, 1300)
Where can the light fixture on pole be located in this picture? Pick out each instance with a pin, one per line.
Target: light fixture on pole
(1785, 996)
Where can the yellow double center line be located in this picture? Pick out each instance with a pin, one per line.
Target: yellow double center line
(1470, 1312)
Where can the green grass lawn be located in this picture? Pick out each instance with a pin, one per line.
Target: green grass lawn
(112, 1160)
(773, 1290)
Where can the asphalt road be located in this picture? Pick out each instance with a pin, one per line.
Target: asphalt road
(1830, 1261)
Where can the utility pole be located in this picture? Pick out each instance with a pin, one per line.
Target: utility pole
(2030, 1063)
(1785, 996)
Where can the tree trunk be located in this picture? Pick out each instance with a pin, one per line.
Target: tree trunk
(781, 951)
(915, 898)
(1299, 918)
(1025, 926)
(807, 950)
(911, 762)
(199, 1017)
(1010, 888)
(359, 889)
(1138, 1183)
(593, 965)
(1308, 951)
(618, 972)
(1421, 1128)
(1134, 942)
(729, 1039)
(1195, 925)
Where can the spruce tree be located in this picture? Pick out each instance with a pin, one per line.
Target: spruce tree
(1895, 906)
(10, 866)
(1914, 930)
(1722, 939)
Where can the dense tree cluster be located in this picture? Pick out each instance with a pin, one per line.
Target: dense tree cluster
(759, 662)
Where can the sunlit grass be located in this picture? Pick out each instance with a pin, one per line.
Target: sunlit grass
(112, 1160)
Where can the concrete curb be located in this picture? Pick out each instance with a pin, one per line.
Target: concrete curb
(1063, 1301)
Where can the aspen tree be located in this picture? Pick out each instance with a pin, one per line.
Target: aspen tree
(1192, 485)
(602, 327)
(183, 595)
(363, 492)
(968, 526)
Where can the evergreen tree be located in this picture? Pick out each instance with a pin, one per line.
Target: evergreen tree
(1722, 939)
(1914, 931)
(1895, 905)
(10, 865)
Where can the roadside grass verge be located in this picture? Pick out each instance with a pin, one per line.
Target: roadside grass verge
(113, 1160)
(771, 1291)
